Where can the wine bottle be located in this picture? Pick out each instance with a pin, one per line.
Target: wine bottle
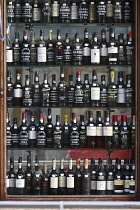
(74, 132)
(25, 49)
(120, 90)
(10, 8)
(130, 52)
(129, 99)
(91, 131)
(15, 134)
(95, 50)
(9, 94)
(50, 50)
(126, 175)
(116, 132)
(112, 48)
(103, 92)
(86, 91)
(64, 12)
(133, 132)
(41, 134)
(107, 129)
(62, 90)
(17, 90)
(70, 178)
(73, 11)
(32, 132)
(36, 90)
(16, 49)
(82, 132)
(33, 49)
(59, 45)
(78, 178)
(92, 11)
(53, 92)
(93, 181)
(118, 11)
(85, 178)
(8, 132)
(12, 178)
(67, 51)
(127, 11)
(57, 133)
(62, 179)
(9, 48)
(132, 176)
(112, 90)
(27, 11)
(28, 178)
(66, 133)
(101, 178)
(77, 51)
(99, 131)
(103, 48)
(18, 11)
(41, 50)
(45, 92)
(118, 178)
(36, 11)
(83, 11)
(23, 135)
(124, 133)
(46, 11)
(55, 11)
(86, 48)
(101, 11)
(20, 179)
(94, 90)
(121, 50)
(37, 177)
(70, 92)
(54, 179)
(109, 11)
(49, 131)
(78, 91)
(27, 92)
(110, 178)
(45, 181)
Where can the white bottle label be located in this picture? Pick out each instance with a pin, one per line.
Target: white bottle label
(86, 51)
(7, 182)
(99, 131)
(54, 182)
(18, 93)
(95, 55)
(112, 49)
(70, 182)
(110, 185)
(9, 56)
(101, 185)
(91, 130)
(12, 182)
(93, 185)
(55, 10)
(107, 131)
(62, 181)
(95, 93)
(20, 183)
(104, 51)
(109, 10)
(32, 135)
(41, 54)
(121, 95)
(74, 12)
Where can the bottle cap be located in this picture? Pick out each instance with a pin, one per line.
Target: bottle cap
(115, 118)
(85, 162)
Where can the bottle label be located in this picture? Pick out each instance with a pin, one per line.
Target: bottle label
(41, 138)
(83, 13)
(127, 12)
(101, 9)
(8, 138)
(118, 12)
(99, 131)
(27, 10)
(71, 95)
(10, 9)
(36, 95)
(27, 98)
(15, 138)
(9, 56)
(95, 93)
(86, 51)
(33, 55)
(109, 10)
(45, 93)
(7, 182)
(92, 12)
(74, 12)
(112, 95)
(128, 95)
(54, 182)
(101, 185)
(12, 182)
(91, 130)
(112, 49)
(77, 56)
(18, 11)
(118, 182)
(116, 137)
(20, 183)
(18, 93)
(32, 134)
(25, 54)
(103, 96)
(74, 138)
(62, 181)
(95, 55)
(55, 10)
(70, 182)
(57, 138)
(132, 182)
(110, 185)
(104, 51)
(79, 95)
(50, 56)
(41, 54)
(121, 95)
(93, 185)
(82, 137)
(67, 55)
(126, 185)
(23, 138)
(124, 137)
(65, 13)
(16, 54)
(107, 131)
(36, 14)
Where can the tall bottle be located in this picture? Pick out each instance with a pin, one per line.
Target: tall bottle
(41, 50)
(77, 51)
(57, 133)
(127, 11)
(16, 49)
(50, 50)
(70, 92)
(32, 132)
(73, 11)
(99, 131)
(116, 132)
(27, 11)
(67, 51)
(103, 92)
(25, 50)
(78, 178)
(120, 90)
(132, 176)
(37, 177)
(86, 48)
(124, 133)
(18, 11)
(101, 178)
(55, 11)
(12, 178)
(36, 11)
(17, 90)
(20, 179)
(66, 133)
(59, 49)
(91, 131)
(70, 178)
(126, 174)
(110, 178)
(45, 181)
(64, 16)
(33, 49)
(92, 11)
(9, 93)
(49, 130)
(86, 91)
(85, 178)
(103, 48)
(23, 135)
(82, 132)
(83, 11)
(46, 11)
(112, 90)
(129, 99)
(53, 92)
(94, 90)
(27, 92)
(78, 92)
(8, 132)
(45, 92)
(121, 50)
(118, 11)
(101, 11)
(95, 50)
(62, 179)
(118, 178)
(93, 181)
(15, 134)
(9, 49)
(41, 132)
(130, 52)
(36, 90)
(107, 129)
(28, 178)
(54, 179)
(74, 132)
(109, 11)
(62, 90)
(10, 10)
(112, 48)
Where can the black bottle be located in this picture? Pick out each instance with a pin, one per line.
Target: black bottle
(9, 94)
(101, 178)
(18, 11)
(86, 48)
(62, 179)
(20, 179)
(103, 92)
(101, 11)
(78, 178)
(74, 132)
(49, 131)
(62, 90)
(70, 92)
(28, 178)
(85, 178)
(45, 92)
(109, 178)
(66, 133)
(67, 51)
(53, 92)
(15, 134)
(37, 177)
(23, 135)
(83, 11)
(27, 92)
(12, 178)
(86, 91)
(32, 131)
(70, 178)
(41, 134)
(103, 48)
(36, 90)
(121, 50)
(64, 12)
(53, 179)
(93, 181)
(45, 181)
(27, 11)
(16, 50)
(57, 133)
(17, 91)
(82, 132)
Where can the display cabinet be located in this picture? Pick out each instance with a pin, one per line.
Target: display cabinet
(105, 147)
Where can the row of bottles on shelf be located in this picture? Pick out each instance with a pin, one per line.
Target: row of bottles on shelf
(80, 94)
(64, 52)
(98, 179)
(66, 11)
(92, 134)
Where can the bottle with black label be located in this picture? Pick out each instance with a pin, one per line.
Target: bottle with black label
(112, 48)
(15, 134)
(27, 92)
(130, 52)
(126, 175)
(85, 178)
(32, 132)
(124, 133)
(109, 11)
(82, 132)
(70, 93)
(78, 92)
(41, 50)
(59, 49)
(49, 131)
(101, 178)
(74, 132)
(46, 11)
(64, 13)
(36, 90)
(18, 11)
(36, 11)
(10, 10)
(99, 131)
(77, 51)
(67, 51)
(55, 11)
(78, 178)
(20, 178)
(9, 93)
(132, 176)
(101, 11)
(62, 179)
(91, 131)
(45, 92)
(9, 48)
(93, 181)
(94, 90)
(116, 132)
(86, 48)
(129, 92)
(127, 11)
(103, 48)
(28, 178)
(92, 11)
(37, 177)
(17, 91)
(50, 50)
(57, 133)
(118, 11)
(73, 11)
(53, 179)
(95, 50)
(23, 135)
(83, 11)
(12, 178)
(8, 132)
(45, 181)
(118, 178)
(86, 91)
(109, 178)
(53, 92)
(27, 11)
(120, 90)
(112, 90)
(107, 129)
(33, 49)
(121, 50)
(25, 49)
(66, 133)
(70, 178)
(62, 90)
(103, 92)
(16, 50)
(41, 134)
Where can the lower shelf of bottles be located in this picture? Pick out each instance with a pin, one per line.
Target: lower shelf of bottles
(80, 149)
